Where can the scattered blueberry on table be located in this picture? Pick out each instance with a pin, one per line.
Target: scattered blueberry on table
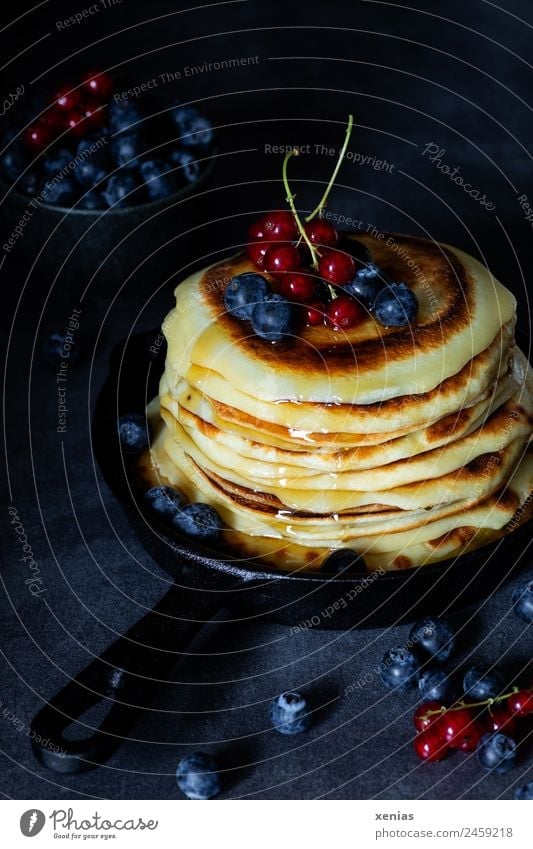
(399, 668)
(484, 719)
(198, 776)
(524, 792)
(480, 683)
(289, 713)
(58, 347)
(436, 685)
(497, 752)
(523, 601)
(434, 637)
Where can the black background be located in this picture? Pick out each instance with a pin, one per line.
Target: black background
(455, 74)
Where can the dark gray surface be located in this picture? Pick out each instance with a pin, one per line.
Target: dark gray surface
(97, 578)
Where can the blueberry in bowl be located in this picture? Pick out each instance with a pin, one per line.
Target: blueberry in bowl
(101, 176)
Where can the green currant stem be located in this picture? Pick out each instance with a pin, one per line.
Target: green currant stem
(488, 703)
(318, 209)
(290, 201)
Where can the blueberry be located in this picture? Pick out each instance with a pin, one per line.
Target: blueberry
(368, 282)
(55, 350)
(290, 714)
(524, 792)
(273, 318)
(343, 560)
(195, 129)
(120, 190)
(92, 199)
(198, 776)
(189, 166)
(161, 181)
(14, 161)
(57, 160)
(31, 182)
(435, 637)
(89, 172)
(163, 501)
(133, 433)
(398, 668)
(92, 164)
(60, 191)
(123, 114)
(243, 292)
(436, 685)
(523, 601)
(127, 148)
(481, 684)
(396, 305)
(497, 752)
(198, 520)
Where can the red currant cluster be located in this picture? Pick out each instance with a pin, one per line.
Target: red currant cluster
(308, 266)
(463, 725)
(78, 110)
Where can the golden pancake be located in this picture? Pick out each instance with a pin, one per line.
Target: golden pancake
(408, 444)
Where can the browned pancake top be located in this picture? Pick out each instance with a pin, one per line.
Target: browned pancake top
(438, 278)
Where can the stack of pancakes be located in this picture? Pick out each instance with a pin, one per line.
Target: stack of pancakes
(408, 445)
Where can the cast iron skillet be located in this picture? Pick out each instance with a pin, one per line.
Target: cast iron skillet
(130, 671)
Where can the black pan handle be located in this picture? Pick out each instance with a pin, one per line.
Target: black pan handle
(127, 674)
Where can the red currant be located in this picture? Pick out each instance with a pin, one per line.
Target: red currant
(98, 86)
(280, 226)
(37, 136)
(67, 99)
(256, 251)
(500, 719)
(281, 258)
(455, 725)
(314, 313)
(336, 267)
(298, 287)
(467, 741)
(420, 718)
(94, 116)
(54, 119)
(430, 746)
(256, 231)
(257, 247)
(75, 123)
(344, 312)
(521, 703)
(321, 232)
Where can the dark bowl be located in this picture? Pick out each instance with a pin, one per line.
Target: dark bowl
(137, 244)
(289, 597)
